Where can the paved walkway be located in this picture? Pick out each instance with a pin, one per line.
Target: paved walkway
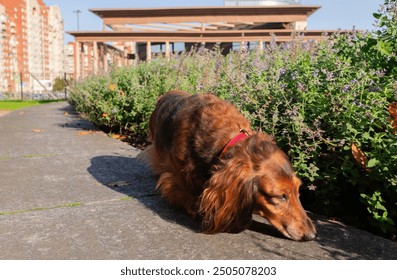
(4, 112)
(67, 191)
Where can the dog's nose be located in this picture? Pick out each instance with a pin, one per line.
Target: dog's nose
(309, 236)
(310, 232)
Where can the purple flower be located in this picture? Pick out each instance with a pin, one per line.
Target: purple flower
(346, 88)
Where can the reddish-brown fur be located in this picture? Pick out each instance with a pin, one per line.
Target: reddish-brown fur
(189, 133)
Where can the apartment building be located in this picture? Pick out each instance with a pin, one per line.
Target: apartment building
(31, 53)
(69, 60)
(56, 41)
(3, 21)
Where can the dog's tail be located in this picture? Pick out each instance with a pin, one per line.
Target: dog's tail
(145, 156)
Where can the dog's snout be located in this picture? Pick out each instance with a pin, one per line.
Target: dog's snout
(311, 232)
(309, 236)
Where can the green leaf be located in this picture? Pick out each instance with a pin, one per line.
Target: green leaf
(372, 162)
(379, 206)
(351, 128)
(366, 135)
(384, 47)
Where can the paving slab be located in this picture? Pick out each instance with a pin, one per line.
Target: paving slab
(68, 191)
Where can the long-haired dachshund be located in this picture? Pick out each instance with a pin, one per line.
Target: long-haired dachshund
(214, 167)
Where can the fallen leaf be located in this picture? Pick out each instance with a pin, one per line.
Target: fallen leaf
(360, 157)
(118, 136)
(393, 109)
(37, 130)
(66, 114)
(86, 132)
(393, 114)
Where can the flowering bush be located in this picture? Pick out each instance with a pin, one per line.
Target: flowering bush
(320, 105)
(325, 102)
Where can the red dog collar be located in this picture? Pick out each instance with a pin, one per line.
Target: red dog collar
(242, 135)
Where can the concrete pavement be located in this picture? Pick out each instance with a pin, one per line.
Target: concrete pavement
(68, 191)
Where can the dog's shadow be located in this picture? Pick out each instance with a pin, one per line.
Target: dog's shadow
(132, 177)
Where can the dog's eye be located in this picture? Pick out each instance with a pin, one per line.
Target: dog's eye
(283, 198)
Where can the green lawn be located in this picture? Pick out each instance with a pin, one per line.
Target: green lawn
(15, 104)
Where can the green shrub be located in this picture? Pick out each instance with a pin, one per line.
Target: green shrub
(325, 102)
(59, 84)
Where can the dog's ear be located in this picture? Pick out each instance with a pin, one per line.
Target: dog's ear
(227, 203)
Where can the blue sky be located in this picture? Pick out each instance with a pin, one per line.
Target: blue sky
(334, 14)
